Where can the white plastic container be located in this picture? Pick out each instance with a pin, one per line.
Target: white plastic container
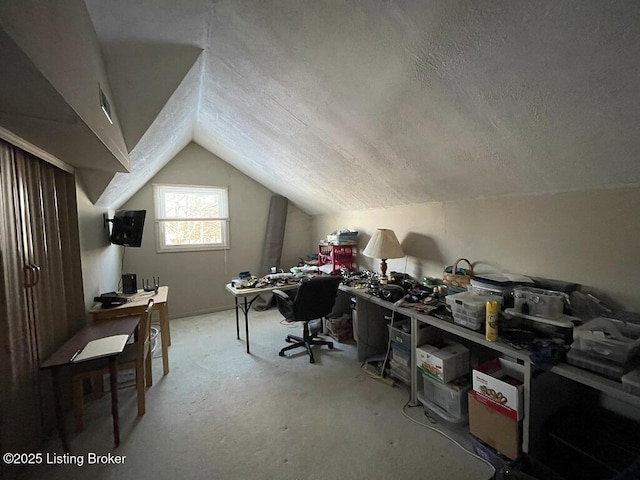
(600, 338)
(538, 302)
(400, 372)
(400, 333)
(450, 397)
(400, 355)
(469, 308)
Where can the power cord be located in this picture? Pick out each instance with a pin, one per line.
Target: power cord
(396, 304)
(124, 251)
(393, 314)
(430, 417)
(440, 432)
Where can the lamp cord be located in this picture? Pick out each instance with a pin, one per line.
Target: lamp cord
(124, 251)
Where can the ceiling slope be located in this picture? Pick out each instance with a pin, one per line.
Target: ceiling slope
(139, 99)
(50, 84)
(170, 132)
(341, 105)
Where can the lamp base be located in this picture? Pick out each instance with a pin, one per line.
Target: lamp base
(383, 269)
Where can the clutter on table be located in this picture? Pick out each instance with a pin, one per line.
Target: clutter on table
(277, 279)
(554, 321)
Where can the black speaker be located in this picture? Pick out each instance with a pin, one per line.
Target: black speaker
(129, 283)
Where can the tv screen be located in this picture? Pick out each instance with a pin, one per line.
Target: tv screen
(127, 227)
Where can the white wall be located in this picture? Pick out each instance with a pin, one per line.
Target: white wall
(591, 238)
(196, 280)
(100, 260)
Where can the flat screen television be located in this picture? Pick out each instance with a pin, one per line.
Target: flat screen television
(127, 227)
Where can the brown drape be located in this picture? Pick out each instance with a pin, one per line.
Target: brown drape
(41, 299)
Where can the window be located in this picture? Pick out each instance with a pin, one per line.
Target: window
(191, 218)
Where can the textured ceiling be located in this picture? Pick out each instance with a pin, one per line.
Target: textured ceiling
(349, 105)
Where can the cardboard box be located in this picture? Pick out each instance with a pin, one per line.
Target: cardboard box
(340, 329)
(495, 429)
(499, 384)
(443, 363)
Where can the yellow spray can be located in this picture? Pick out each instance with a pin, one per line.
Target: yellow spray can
(491, 327)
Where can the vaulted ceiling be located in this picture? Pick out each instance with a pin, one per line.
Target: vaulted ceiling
(358, 104)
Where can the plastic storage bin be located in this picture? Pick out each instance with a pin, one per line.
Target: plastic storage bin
(631, 381)
(401, 355)
(601, 366)
(469, 308)
(627, 322)
(450, 397)
(400, 372)
(600, 338)
(538, 302)
(343, 238)
(400, 333)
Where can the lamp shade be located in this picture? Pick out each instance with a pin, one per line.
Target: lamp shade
(384, 244)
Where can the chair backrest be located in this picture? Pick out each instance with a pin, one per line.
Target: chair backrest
(315, 297)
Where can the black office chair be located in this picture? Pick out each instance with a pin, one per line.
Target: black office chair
(313, 300)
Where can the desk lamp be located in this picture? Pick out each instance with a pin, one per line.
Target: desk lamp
(383, 245)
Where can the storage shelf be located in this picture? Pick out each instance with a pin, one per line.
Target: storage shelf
(593, 380)
(531, 424)
(336, 255)
(473, 336)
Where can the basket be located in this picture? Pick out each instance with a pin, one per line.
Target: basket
(457, 279)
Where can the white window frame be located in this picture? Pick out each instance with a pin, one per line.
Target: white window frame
(160, 189)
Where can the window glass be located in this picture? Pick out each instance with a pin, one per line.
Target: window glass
(191, 218)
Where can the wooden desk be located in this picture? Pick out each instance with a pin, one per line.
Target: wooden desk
(64, 355)
(136, 306)
(253, 293)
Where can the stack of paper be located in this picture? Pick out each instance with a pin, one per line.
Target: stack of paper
(102, 347)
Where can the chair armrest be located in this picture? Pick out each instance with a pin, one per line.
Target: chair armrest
(282, 295)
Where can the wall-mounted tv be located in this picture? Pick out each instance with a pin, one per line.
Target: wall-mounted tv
(127, 227)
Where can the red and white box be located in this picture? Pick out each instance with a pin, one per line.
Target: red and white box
(499, 384)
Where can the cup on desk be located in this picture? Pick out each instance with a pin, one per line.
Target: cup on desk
(274, 269)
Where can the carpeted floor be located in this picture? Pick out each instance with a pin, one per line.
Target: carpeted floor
(224, 414)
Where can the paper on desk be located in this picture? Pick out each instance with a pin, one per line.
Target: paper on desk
(101, 347)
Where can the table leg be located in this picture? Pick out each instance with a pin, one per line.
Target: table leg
(246, 321)
(245, 306)
(62, 431)
(113, 378)
(413, 397)
(237, 320)
(165, 307)
(165, 338)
